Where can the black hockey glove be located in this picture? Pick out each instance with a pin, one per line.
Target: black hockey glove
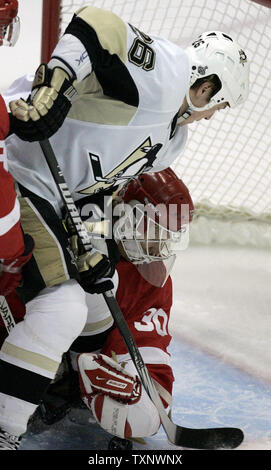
(46, 108)
(95, 278)
(96, 270)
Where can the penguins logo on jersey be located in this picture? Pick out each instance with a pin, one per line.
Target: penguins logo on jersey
(137, 162)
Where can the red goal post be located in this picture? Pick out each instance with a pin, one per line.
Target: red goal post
(51, 27)
(265, 3)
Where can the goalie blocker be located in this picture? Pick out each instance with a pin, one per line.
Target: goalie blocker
(115, 397)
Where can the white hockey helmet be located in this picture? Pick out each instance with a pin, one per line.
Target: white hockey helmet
(215, 52)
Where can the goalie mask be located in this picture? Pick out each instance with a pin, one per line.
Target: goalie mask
(9, 22)
(215, 52)
(153, 223)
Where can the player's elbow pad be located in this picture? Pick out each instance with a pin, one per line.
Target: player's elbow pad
(71, 55)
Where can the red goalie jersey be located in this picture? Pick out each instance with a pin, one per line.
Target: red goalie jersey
(147, 310)
(11, 237)
(112, 390)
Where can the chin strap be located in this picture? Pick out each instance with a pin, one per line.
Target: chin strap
(184, 116)
(192, 108)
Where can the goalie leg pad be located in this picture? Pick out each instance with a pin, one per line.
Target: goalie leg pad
(123, 420)
(111, 415)
(115, 397)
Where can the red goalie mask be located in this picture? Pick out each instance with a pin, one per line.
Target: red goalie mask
(154, 218)
(159, 189)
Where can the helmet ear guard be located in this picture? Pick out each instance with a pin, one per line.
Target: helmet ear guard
(215, 52)
(216, 87)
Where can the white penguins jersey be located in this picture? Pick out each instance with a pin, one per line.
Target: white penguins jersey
(124, 119)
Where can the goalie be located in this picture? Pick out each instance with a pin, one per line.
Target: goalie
(145, 296)
(110, 385)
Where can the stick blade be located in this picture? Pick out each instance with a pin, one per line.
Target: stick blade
(209, 439)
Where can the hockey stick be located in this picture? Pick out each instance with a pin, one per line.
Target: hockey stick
(212, 438)
(6, 314)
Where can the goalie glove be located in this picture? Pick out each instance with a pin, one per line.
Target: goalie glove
(107, 390)
(43, 113)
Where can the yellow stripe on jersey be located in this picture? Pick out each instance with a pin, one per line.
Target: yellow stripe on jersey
(30, 357)
(48, 253)
(105, 38)
(93, 106)
(110, 29)
(95, 327)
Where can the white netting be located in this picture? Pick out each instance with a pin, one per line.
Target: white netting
(227, 161)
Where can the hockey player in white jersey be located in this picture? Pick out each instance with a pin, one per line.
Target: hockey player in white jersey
(125, 97)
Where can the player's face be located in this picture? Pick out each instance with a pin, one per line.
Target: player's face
(155, 239)
(200, 97)
(147, 245)
(207, 114)
(151, 248)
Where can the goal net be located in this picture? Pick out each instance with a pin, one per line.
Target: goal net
(227, 161)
